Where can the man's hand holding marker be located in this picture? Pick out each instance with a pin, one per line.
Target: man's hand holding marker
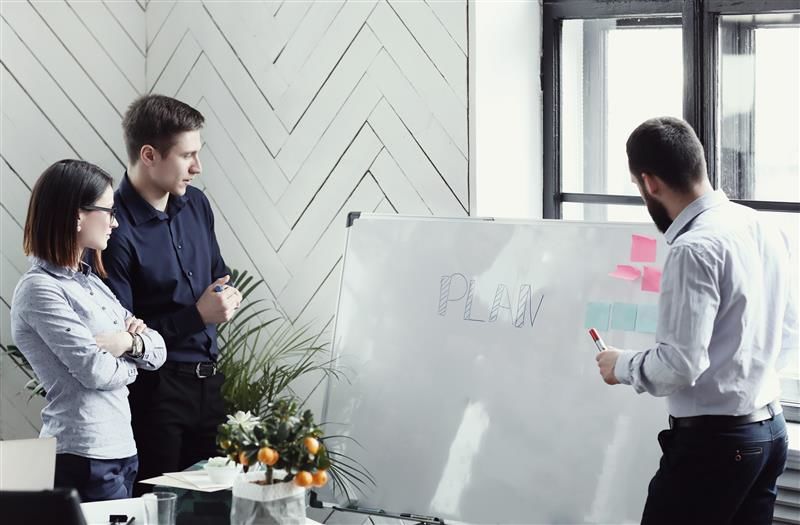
(606, 358)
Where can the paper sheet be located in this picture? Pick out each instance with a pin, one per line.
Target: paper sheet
(643, 249)
(623, 317)
(597, 316)
(647, 318)
(651, 282)
(193, 480)
(626, 272)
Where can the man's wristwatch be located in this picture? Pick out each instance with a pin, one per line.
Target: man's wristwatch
(137, 347)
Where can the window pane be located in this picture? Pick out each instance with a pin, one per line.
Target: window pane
(577, 211)
(759, 108)
(790, 224)
(615, 74)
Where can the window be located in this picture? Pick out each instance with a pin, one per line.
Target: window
(759, 107)
(731, 68)
(606, 66)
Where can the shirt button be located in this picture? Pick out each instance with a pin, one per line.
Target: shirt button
(189, 274)
(180, 246)
(115, 322)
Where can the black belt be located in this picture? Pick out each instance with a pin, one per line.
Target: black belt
(199, 370)
(721, 422)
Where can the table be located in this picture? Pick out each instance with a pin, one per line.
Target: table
(96, 513)
(194, 507)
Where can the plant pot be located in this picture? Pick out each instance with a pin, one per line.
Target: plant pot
(278, 504)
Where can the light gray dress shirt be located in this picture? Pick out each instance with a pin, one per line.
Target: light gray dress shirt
(55, 315)
(727, 314)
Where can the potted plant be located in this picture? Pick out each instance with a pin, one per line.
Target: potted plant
(262, 356)
(282, 454)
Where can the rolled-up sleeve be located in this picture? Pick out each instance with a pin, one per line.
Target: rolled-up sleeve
(687, 311)
(45, 309)
(155, 351)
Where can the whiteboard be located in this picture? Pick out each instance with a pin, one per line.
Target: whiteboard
(473, 391)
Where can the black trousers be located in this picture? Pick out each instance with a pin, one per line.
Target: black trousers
(174, 417)
(96, 479)
(718, 477)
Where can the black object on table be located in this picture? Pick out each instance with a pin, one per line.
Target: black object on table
(60, 506)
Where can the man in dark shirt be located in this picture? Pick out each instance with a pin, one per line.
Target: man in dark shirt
(164, 264)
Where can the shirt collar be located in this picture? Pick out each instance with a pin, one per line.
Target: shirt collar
(142, 211)
(176, 204)
(705, 202)
(61, 271)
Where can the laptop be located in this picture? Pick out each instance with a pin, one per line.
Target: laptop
(27, 464)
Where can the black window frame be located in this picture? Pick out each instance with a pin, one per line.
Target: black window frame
(700, 60)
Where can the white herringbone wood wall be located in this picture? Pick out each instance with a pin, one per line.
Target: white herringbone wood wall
(67, 72)
(313, 109)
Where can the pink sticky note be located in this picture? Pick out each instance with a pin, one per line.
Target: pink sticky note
(625, 272)
(643, 249)
(651, 282)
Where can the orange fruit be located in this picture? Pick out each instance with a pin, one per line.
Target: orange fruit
(303, 479)
(267, 456)
(320, 478)
(243, 458)
(311, 444)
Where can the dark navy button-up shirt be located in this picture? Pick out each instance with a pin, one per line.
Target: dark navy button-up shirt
(160, 263)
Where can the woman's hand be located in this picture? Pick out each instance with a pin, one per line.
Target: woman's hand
(135, 325)
(115, 343)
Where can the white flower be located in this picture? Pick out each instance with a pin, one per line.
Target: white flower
(245, 420)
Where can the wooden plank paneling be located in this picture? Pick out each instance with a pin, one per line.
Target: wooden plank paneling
(313, 109)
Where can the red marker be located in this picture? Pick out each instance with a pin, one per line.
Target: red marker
(598, 341)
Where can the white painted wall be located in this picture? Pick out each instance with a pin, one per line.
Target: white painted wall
(507, 108)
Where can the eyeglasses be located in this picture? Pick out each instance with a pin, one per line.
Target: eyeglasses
(111, 211)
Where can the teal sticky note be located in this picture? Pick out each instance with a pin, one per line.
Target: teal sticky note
(647, 318)
(597, 316)
(623, 317)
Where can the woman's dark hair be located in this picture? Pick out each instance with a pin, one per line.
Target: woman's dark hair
(155, 120)
(58, 195)
(668, 148)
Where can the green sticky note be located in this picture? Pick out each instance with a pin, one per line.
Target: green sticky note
(597, 316)
(623, 317)
(647, 318)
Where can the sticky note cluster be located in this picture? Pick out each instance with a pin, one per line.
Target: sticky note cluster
(626, 317)
(643, 249)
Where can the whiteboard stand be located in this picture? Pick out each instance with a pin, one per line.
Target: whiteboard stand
(419, 519)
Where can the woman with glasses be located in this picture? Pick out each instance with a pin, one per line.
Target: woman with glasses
(84, 347)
